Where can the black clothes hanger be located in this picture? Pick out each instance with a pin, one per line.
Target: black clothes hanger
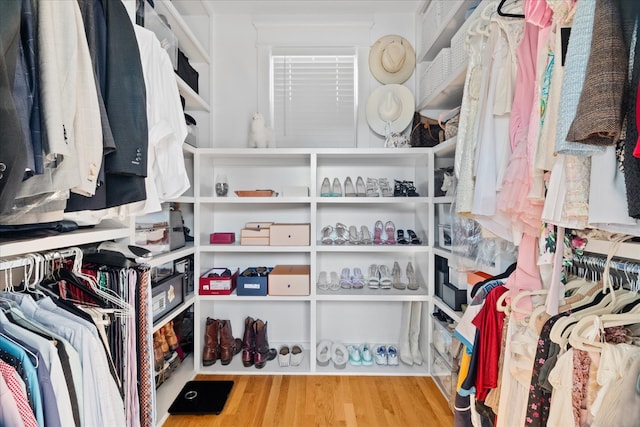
(505, 14)
(68, 276)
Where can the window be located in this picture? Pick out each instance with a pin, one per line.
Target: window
(314, 97)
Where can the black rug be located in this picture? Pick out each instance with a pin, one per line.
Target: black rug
(201, 398)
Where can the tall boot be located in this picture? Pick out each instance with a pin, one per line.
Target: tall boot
(170, 335)
(229, 346)
(211, 342)
(162, 342)
(263, 353)
(414, 332)
(248, 343)
(404, 344)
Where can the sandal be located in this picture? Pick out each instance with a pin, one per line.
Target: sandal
(385, 277)
(373, 282)
(357, 280)
(323, 281)
(385, 188)
(395, 274)
(377, 233)
(334, 283)
(354, 236)
(342, 234)
(410, 189)
(325, 233)
(390, 229)
(345, 279)
(366, 236)
(401, 239)
(414, 238)
(372, 187)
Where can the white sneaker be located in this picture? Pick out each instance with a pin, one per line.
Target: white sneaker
(354, 355)
(339, 355)
(323, 352)
(381, 355)
(392, 355)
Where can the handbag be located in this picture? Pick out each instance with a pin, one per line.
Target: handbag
(449, 120)
(425, 132)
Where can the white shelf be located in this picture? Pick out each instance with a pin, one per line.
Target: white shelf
(451, 22)
(271, 368)
(107, 230)
(373, 248)
(630, 250)
(237, 247)
(188, 42)
(236, 298)
(193, 101)
(369, 200)
(231, 199)
(446, 148)
(168, 390)
(160, 259)
(455, 315)
(444, 200)
(448, 95)
(179, 309)
(380, 370)
(367, 294)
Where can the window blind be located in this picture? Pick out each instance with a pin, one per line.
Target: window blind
(314, 99)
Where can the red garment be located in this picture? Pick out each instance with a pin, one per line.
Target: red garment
(489, 322)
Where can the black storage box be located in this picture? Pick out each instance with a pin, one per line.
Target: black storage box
(441, 274)
(187, 72)
(167, 295)
(453, 296)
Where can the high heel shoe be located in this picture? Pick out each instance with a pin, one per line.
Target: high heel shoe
(336, 188)
(413, 238)
(401, 239)
(366, 236)
(342, 234)
(325, 188)
(357, 280)
(411, 278)
(345, 279)
(377, 233)
(373, 281)
(410, 189)
(334, 282)
(361, 190)
(395, 276)
(325, 235)
(390, 229)
(349, 189)
(354, 236)
(385, 277)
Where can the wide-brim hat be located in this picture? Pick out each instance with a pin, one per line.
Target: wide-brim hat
(390, 108)
(392, 59)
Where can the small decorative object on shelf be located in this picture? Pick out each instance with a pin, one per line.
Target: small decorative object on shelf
(260, 135)
(222, 185)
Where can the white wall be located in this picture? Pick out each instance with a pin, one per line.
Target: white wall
(235, 64)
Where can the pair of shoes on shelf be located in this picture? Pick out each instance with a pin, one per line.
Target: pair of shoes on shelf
(328, 281)
(379, 277)
(290, 356)
(362, 237)
(360, 355)
(338, 234)
(255, 344)
(385, 187)
(328, 351)
(404, 189)
(348, 281)
(410, 238)
(359, 190)
(219, 342)
(328, 189)
(386, 355)
(384, 233)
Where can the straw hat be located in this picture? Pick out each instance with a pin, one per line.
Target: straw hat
(390, 108)
(392, 59)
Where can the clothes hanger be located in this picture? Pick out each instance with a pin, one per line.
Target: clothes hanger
(506, 14)
(26, 350)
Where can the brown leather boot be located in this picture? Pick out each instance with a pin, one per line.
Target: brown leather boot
(262, 353)
(248, 343)
(229, 346)
(158, 355)
(162, 342)
(170, 335)
(210, 352)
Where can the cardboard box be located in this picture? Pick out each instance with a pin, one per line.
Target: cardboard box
(254, 241)
(474, 277)
(254, 236)
(290, 234)
(257, 225)
(212, 285)
(252, 285)
(289, 280)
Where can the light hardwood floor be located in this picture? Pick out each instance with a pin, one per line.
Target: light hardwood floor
(295, 400)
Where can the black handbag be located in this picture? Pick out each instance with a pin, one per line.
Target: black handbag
(425, 132)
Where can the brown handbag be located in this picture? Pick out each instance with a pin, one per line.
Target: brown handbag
(425, 132)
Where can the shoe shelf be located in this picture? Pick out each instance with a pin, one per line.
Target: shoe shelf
(188, 249)
(268, 298)
(237, 247)
(367, 294)
(455, 315)
(372, 248)
(188, 301)
(271, 368)
(375, 370)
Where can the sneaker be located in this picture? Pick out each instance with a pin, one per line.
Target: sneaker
(392, 355)
(354, 355)
(365, 354)
(381, 355)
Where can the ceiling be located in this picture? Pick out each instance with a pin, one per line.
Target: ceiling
(296, 7)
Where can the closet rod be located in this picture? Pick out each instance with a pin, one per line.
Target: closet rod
(6, 264)
(596, 260)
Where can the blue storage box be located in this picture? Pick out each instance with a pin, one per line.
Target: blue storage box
(252, 285)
